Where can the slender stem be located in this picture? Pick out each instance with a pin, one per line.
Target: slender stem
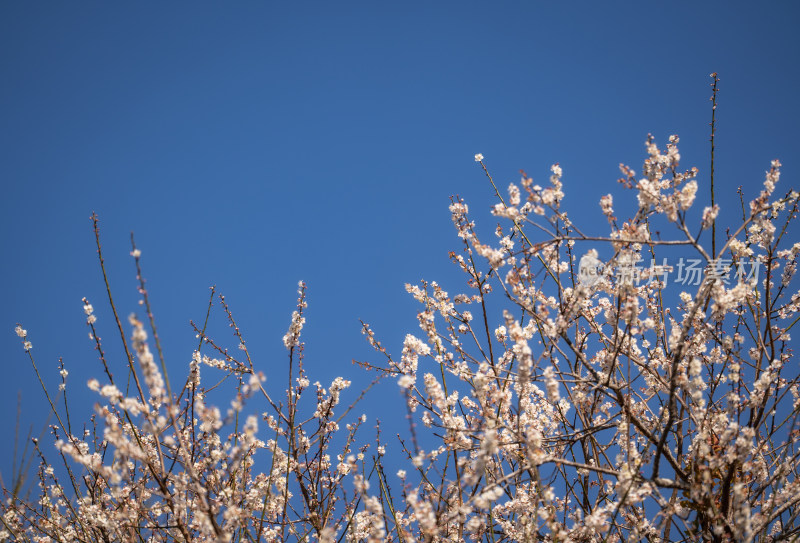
(128, 355)
(136, 256)
(713, 133)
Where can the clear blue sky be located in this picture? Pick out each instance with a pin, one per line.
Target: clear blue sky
(254, 144)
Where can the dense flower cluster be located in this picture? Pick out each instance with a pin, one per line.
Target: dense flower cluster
(574, 407)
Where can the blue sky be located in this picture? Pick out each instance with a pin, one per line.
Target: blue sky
(254, 144)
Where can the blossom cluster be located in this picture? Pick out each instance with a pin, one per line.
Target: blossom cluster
(541, 405)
